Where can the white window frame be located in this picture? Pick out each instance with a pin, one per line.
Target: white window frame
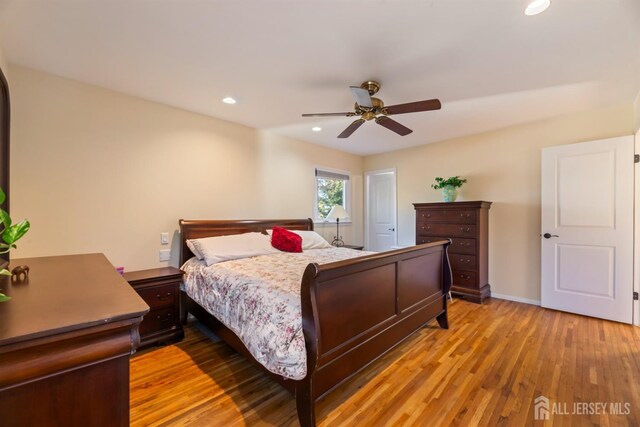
(347, 195)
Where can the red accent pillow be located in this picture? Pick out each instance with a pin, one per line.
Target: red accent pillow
(285, 240)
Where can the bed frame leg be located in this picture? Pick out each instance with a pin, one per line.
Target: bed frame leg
(305, 404)
(443, 320)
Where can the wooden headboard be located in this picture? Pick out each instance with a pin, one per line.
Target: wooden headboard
(197, 229)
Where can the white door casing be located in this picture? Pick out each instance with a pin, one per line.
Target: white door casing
(381, 229)
(636, 256)
(588, 209)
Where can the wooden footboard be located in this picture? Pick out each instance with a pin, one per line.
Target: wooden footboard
(354, 311)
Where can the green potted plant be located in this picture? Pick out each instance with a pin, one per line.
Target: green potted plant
(449, 187)
(10, 233)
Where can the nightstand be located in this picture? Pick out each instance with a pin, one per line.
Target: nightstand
(356, 247)
(160, 289)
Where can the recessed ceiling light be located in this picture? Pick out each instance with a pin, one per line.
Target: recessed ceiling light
(229, 100)
(316, 129)
(537, 6)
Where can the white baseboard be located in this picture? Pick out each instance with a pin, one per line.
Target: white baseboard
(516, 299)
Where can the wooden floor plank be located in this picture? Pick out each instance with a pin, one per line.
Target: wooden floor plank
(486, 370)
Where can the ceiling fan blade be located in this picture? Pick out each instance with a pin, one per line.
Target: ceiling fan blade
(414, 107)
(349, 114)
(361, 96)
(393, 125)
(351, 128)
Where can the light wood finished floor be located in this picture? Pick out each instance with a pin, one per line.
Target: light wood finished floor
(486, 370)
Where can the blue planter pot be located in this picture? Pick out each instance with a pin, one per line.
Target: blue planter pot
(449, 194)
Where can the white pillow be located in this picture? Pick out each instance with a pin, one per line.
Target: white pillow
(194, 250)
(237, 246)
(310, 239)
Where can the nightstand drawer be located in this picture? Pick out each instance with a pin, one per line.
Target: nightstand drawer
(462, 262)
(448, 216)
(449, 230)
(159, 320)
(160, 296)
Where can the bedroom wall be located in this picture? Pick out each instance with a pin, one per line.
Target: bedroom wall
(504, 167)
(636, 106)
(4, 65)
(99, 171)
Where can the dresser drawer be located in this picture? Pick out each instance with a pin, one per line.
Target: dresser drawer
(462, 262)
(465, 279)
(463, 246)
(454, 216)
(458, 245)
(448, 230)
(159, 320)
(160, 296)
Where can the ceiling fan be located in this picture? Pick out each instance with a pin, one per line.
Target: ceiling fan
(371, 108)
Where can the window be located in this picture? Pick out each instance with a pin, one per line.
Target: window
(332, 188)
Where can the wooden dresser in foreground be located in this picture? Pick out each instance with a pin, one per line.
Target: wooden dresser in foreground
(467, 225)
(65, 340)
(160, 288)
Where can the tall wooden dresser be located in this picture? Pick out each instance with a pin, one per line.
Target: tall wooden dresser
(467, 225)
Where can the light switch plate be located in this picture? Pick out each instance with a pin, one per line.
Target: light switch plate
(165, 255)
(164, 238)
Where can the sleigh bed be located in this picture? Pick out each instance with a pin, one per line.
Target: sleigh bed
(353, 311)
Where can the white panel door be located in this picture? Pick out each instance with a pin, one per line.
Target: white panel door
(587, 228)
(381, 210)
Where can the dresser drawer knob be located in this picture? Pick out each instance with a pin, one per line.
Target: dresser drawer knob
(462, 276)
(465, 230)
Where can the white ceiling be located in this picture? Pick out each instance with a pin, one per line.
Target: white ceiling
(490, 65)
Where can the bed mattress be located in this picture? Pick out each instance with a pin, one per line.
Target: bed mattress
(258, 298)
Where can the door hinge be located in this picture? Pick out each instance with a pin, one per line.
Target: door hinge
(636, 158)
(635, 296)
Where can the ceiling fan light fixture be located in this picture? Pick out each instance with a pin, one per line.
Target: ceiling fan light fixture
(537, 6)
(316, 128)
(229, 100)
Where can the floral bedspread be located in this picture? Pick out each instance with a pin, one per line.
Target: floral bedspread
(258, 298)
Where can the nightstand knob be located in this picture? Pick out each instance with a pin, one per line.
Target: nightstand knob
(162, 298)
(166, 319)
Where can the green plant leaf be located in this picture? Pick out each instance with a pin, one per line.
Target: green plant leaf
(4, 298)
(3, 196)
(5, 272)
(15, 232)
(5, 218)
(452, 181)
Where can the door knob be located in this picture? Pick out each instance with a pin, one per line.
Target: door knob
(392, 229)
(548, 236)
